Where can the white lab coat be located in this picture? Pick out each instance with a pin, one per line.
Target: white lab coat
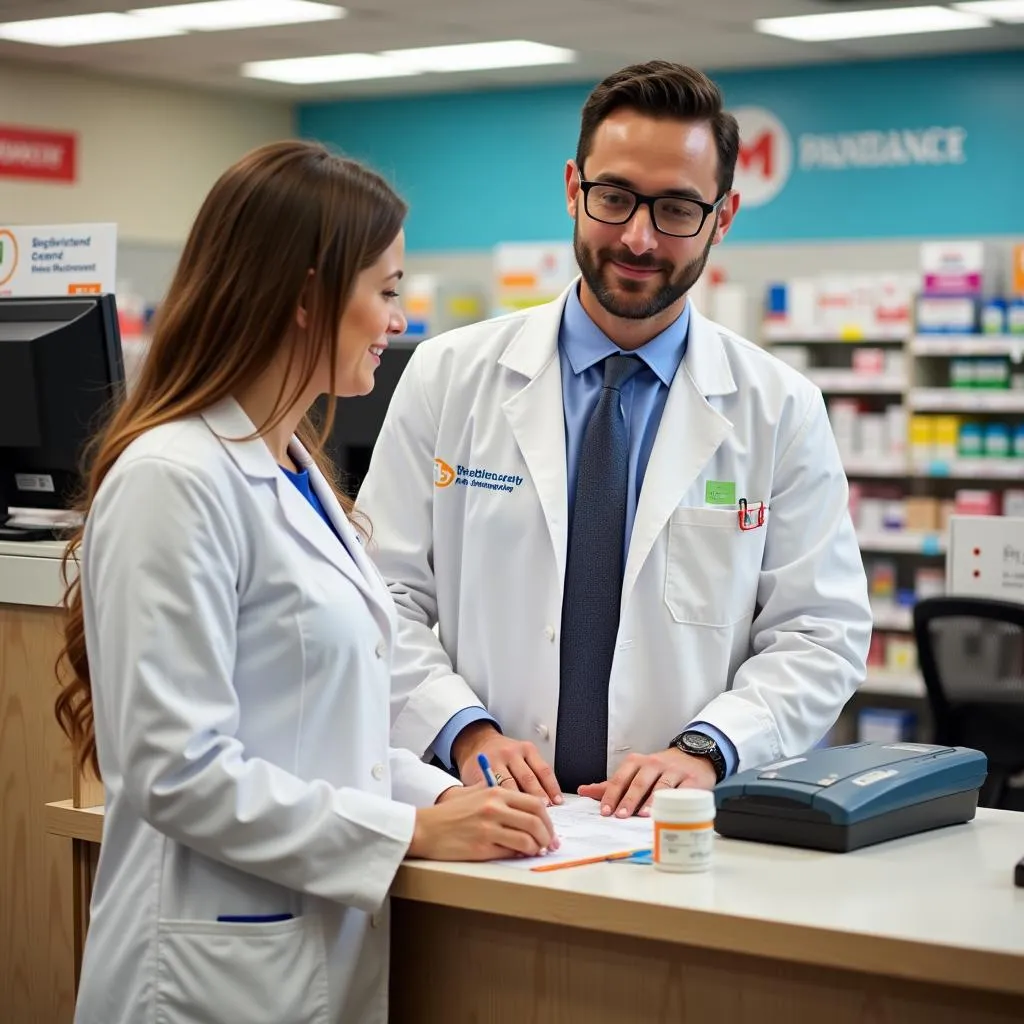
(762, 633)
(240, 663)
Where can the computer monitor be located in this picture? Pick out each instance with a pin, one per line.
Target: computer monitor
(357, 421)
(61, 368)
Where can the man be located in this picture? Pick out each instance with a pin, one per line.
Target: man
(629, 525)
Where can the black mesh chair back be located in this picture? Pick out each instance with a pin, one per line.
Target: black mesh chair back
(971, 653)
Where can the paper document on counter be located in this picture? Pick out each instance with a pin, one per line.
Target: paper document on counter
(585, 835)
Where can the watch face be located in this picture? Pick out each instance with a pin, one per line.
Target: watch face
(698, 741)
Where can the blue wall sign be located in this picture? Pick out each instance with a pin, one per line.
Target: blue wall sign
(915, 148)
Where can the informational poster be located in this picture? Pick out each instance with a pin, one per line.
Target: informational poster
(57, 259)
(529, 273)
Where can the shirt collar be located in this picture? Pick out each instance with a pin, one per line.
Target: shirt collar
(585, 344)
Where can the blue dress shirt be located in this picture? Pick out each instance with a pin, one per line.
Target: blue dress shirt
(582, 346)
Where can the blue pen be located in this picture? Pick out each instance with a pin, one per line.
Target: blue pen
(485, 767)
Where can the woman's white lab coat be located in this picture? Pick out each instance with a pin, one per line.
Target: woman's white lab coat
(240, 661)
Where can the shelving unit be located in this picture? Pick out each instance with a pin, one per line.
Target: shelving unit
(1011, 345)
(903, 542)
(894, 617)
(847, 382)
(972, 400)
(914, 374)
(894, 684)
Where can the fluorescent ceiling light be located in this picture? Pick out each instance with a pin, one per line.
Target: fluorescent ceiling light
(999, 10)
(84, 30)
(351, 67)
(892, 21)
(342, 67)
(218, 15)
(510, 53)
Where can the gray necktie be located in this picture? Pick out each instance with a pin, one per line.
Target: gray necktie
(593, 585)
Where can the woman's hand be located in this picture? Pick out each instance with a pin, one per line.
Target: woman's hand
(474, 823)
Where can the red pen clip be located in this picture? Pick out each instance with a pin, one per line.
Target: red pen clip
(750, 518)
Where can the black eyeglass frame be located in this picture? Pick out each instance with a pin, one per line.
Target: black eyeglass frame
(644, 200)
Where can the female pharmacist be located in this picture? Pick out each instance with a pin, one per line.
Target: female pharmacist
(229, 641)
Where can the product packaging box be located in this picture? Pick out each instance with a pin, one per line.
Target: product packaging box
(922, 514)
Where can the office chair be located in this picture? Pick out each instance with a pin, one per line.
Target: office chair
(971, 653)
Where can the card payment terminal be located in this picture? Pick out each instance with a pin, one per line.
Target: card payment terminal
(843, 798)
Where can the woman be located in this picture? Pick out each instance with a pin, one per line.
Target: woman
(231, 641)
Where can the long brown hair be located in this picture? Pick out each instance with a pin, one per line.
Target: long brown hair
(283, 211)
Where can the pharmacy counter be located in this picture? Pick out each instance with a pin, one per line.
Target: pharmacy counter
(30, 573)
(924, 930)
(36, 882)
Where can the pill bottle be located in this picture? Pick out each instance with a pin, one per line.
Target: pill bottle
(684, 836)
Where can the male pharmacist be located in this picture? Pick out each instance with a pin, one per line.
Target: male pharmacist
(628, 524)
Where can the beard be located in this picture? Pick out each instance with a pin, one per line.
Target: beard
(629, 299)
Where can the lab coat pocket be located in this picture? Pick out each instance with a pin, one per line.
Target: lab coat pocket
(712, 567)
(211, 972)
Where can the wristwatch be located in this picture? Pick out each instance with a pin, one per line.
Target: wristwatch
(700, 744)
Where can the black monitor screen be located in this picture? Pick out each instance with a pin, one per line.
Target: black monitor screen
(357, 421)
(61, 368)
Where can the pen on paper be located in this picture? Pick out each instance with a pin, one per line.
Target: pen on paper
(485, 767)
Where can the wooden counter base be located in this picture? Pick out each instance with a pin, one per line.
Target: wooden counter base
(450, 964)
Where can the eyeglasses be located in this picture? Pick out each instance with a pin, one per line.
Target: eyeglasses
(671, 215)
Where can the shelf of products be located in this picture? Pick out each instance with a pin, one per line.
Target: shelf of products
(923, 377)
(908, 542)
(1011, 345)
(893, 684)
(929, 420)
(893, 618)
(994, 468)
(853, 383)
(975, 400)
(783, 335)
(879, 466)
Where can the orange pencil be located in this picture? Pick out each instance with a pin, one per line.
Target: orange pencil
(589, 860)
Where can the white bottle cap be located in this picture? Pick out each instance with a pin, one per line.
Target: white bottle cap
(695, 803)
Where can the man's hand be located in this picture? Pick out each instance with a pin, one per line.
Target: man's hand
(515, 764)
(631, 789)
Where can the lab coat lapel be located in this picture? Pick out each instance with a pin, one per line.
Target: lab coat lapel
(359, 568)
(230, 424)
(690, 432)
(535, 414)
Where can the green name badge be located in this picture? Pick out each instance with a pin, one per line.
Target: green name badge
(720, 492)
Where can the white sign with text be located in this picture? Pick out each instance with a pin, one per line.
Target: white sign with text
(57, 259)
(986, 557)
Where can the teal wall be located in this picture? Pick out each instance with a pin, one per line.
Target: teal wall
(485, 167)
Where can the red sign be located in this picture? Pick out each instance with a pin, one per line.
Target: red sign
(762, 151)
(37, 155)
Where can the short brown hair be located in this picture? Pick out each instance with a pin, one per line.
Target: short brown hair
(663, 89)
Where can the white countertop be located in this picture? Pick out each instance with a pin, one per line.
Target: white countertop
(30, 573)
(939, 906)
